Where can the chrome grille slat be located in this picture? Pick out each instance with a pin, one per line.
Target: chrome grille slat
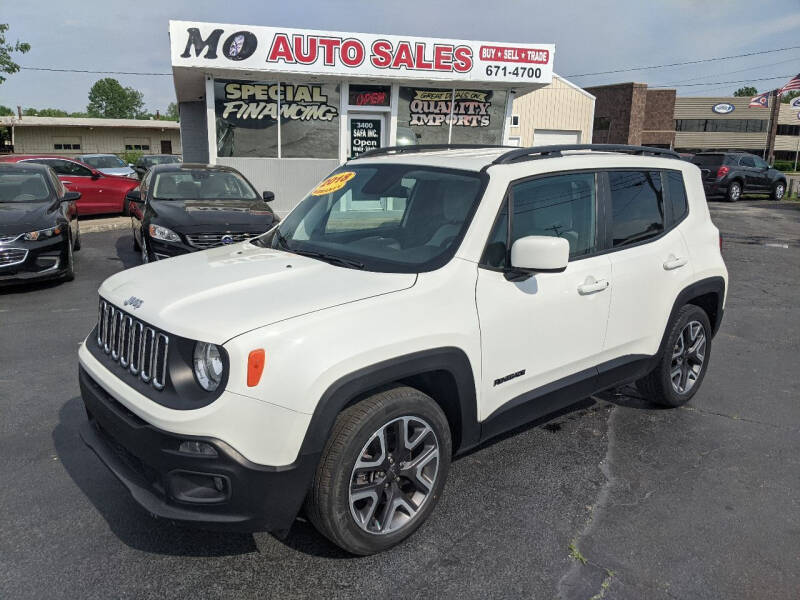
(214, 239)
(139, 348)
(12, 256)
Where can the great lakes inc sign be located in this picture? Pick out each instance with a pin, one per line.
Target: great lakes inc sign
(723, 108)
(303, 51)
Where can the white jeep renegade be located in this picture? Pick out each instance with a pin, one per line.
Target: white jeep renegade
(416, 303)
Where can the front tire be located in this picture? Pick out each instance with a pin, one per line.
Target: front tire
(381, 472)
(734, 192)
(77, 244)
(778, 190)
(69, 273)
(683, 362)
(143, 250)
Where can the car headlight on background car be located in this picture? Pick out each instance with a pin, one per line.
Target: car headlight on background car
(208, 365)
(32, 236)
(162, 233)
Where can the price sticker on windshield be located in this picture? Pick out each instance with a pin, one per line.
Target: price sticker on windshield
(333, 183)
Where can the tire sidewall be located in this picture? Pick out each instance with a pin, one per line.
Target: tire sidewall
(353, 537)
(687, 314)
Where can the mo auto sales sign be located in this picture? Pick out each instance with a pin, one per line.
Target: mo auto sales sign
(300, 51)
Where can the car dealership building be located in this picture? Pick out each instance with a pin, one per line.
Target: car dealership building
(287, 106)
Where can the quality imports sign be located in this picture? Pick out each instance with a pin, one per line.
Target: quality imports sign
(276, 50)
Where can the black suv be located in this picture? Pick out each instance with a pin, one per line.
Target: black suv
(731, 174)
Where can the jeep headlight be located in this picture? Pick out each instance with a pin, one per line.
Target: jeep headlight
(162, 233)
(32, 236)
(208, 366)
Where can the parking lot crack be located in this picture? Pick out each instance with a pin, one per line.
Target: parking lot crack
(713, 413)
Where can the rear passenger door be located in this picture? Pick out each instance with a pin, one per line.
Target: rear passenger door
(649, 257)
(752, 178)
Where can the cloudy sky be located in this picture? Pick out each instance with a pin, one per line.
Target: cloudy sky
(590, 36)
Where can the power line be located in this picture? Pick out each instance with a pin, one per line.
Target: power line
(725, 82)
(762, 66)
(92, 72)
(689, 62)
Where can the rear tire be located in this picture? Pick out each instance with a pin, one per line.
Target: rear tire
(371, 491)
(136, 245)
(778, 190)
(683, 362)
(734, 192)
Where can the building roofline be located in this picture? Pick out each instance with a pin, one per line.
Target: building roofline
(30, 121)
(574, 86)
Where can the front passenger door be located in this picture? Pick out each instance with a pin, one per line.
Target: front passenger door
(549, 328)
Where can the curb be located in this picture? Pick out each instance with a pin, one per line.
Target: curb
(104, 225)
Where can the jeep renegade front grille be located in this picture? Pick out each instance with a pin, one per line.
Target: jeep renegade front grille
(135, 345)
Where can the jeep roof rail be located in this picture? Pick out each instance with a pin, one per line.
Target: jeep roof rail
(536, 152)
(422, 148)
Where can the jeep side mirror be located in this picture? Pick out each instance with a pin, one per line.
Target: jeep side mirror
(539, 254)
(71, 196)
(268, 196)
(134, 196)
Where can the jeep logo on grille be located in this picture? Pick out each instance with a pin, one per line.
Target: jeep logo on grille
(133, 301)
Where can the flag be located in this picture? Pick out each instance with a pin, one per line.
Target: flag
(794, 84)
(760, 100)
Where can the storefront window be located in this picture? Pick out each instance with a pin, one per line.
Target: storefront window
(310, 120)
(247, 123)
(247, 119)
(422, 116)
(478, 117)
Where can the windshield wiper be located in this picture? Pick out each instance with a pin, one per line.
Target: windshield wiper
(330, 258)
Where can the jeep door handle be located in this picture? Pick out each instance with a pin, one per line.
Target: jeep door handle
(590, 286)
(674, 262)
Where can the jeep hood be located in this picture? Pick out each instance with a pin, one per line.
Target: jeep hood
(218, 294)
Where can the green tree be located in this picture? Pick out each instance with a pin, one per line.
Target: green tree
(44, 112)
(172, 113)
(6, 48)
(746, 91)
(5, 111)
(789, 96)
(108, 99)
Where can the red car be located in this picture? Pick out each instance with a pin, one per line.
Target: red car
(100, 193)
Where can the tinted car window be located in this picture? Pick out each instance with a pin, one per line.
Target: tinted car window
(22, 186)
(560, 206)
(708, 160)
(761, 164)
(676, 192)
(65, 167)
(747, 161)
(637, 206)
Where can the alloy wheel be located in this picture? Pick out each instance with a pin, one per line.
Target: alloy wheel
(779, 191)
(688, 357)
(394, 475)
(735, 191)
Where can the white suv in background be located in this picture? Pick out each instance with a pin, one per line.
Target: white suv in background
(416, 303)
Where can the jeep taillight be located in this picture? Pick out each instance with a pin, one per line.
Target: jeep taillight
(722, 171)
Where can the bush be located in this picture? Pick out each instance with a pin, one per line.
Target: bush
(784, 165)
(131, 156)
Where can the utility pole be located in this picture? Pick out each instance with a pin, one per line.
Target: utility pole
(772, 126)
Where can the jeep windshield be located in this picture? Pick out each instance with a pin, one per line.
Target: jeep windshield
(389, 218)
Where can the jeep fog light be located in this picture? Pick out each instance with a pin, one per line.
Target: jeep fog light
(195, 447)
(208, 366)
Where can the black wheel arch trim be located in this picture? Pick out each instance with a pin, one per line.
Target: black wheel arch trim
(710, 285)
(351, 387)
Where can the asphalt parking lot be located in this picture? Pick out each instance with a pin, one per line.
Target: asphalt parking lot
(615, 499)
